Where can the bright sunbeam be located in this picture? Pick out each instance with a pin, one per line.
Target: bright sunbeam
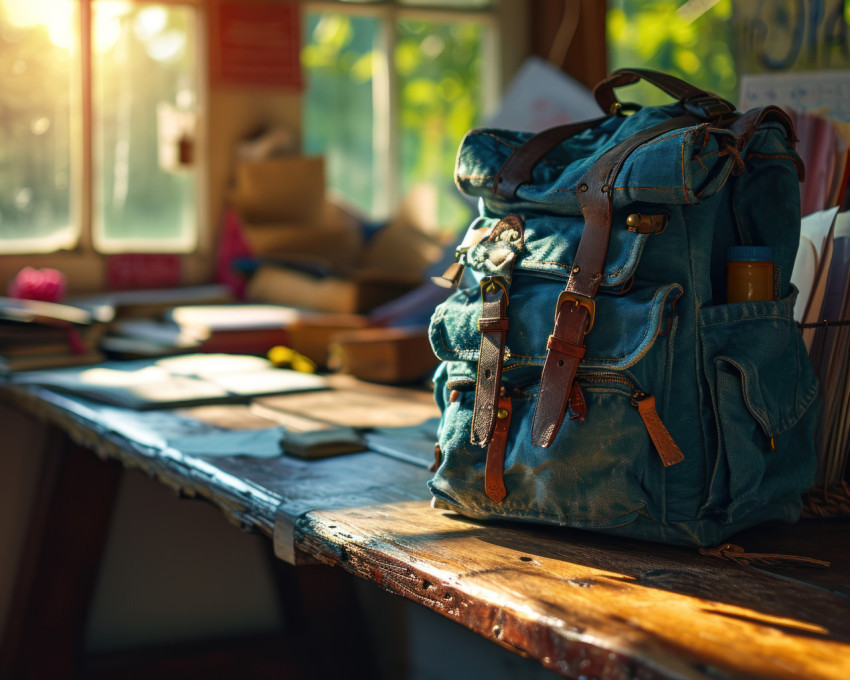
(57, 16)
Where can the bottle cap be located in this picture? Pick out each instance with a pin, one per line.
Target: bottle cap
(749, 254)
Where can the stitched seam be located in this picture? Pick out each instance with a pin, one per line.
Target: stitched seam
(771, 156)
(569, 266)
(575, 191)
(679, 133)
(684, 185)
(498, 139)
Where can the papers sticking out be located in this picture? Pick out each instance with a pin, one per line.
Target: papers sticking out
(803, 275)
(811, 267)
(541, 96)
(822, 273)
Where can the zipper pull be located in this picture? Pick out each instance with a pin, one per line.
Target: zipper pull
(667, 449)
(577, 404)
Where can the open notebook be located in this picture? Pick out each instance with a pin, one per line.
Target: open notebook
(188, 380)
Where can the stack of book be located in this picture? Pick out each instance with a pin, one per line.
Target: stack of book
(35, 334)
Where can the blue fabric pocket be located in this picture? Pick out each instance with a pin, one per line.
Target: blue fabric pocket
(752, 353)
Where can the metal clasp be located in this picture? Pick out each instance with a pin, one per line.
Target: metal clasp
(490, 284)
(587, 302)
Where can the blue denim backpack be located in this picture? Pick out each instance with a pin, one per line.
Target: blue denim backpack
(594, 375)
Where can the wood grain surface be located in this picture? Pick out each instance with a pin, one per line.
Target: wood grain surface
(588, 606)
(585, 605)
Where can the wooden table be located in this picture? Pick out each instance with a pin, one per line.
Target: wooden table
(582, 604)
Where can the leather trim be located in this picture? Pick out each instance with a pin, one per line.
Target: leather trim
(494, 481)
(489, 379)
(571, 320)
(493, 325)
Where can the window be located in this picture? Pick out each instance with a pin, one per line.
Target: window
(392, 87)
(713, 43)
(659, 35)
(98, 108)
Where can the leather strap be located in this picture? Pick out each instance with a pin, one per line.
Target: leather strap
(494, 481)
(517, 170)
(493, 326)
(573, 315)
(746, 125)
(698, 102)
(665, 445)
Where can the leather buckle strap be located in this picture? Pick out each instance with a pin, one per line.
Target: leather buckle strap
(494, 482)
(708, 106)
(587, 302)
(576, 306)
(568, 348)
(565, 351)
(493, 326)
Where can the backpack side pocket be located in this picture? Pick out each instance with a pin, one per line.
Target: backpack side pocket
(761, 386)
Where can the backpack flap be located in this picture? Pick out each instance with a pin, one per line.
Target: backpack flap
(681, 167)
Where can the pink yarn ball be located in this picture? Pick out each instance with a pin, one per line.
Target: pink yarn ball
(47, 285)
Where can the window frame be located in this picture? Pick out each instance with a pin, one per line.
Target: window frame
(83, 253)
(497, 20)
(224, 117)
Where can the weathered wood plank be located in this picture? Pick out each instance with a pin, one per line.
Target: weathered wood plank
(589, 606)
(57, 572)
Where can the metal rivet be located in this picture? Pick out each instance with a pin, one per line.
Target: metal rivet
(576, 269)
(583, 187)
(633, 220)
(502, 413)
(605, 189)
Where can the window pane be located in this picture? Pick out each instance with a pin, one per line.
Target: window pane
(338, 57)
(144, 60)
(440, 94)
(652, 34)
(37, 57)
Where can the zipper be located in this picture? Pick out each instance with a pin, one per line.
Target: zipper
(668, 450)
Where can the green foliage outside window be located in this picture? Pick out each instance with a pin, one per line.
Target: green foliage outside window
(438, 72)
(652, 34)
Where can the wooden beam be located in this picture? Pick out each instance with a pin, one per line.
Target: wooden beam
(571, 35)
(67, 531)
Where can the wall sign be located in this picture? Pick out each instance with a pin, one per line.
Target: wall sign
(255, 45)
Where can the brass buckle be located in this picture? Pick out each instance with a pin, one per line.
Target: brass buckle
(588, 303)
(489, 284)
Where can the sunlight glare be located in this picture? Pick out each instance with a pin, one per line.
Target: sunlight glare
(107, 31)
(149, 22)
(57, 16)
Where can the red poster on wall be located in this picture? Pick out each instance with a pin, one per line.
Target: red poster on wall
(255, 45)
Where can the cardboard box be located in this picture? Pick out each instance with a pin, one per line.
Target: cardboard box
(288, 189)
(357, 294)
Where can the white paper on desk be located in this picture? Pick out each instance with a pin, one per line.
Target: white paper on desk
(541, 96)
(263, 443)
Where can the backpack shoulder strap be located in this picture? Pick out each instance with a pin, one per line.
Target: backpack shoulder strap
(576, 305)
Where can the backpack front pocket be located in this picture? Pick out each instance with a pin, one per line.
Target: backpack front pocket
(760, 386)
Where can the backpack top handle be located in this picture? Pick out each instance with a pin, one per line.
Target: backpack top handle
(702, 105)
(696, 101)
